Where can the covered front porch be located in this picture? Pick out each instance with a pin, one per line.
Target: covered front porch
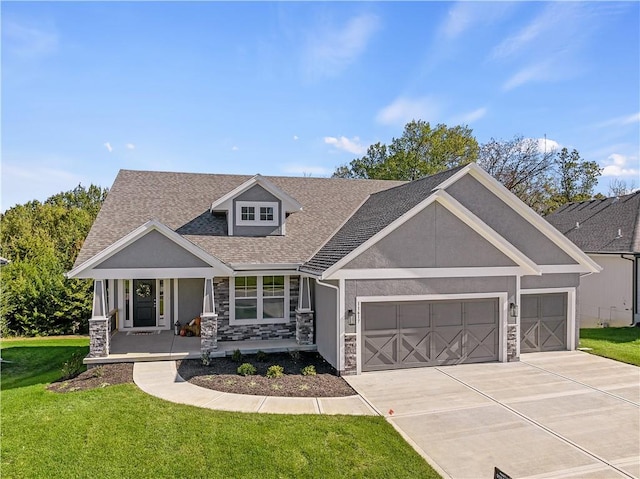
(137, 346)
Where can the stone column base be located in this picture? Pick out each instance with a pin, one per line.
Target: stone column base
(304, 327)
(350, 355)
(512, 343)
(99, 337)
(208, 333)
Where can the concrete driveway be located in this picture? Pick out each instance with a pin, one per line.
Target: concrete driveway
(551, 415)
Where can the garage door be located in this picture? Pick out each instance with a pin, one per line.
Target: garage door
(429, 333)
(543, 322)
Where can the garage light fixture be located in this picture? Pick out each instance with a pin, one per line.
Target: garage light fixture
(513, 310)
(351, 317)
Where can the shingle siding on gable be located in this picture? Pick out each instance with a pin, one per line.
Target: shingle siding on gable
(434, 238)
(507, 222)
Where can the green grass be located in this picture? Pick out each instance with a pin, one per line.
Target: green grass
(120, 431)
(621, 344)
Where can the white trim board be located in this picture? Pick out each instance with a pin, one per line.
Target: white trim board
(412, 273)
(503, 306)
(462, 213)
(289, 204)
(86, 269)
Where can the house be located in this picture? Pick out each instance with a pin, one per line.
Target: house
(608, 230)
(448, 269)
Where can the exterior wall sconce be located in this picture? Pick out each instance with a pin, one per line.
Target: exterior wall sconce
(513, 310)
(351, 317)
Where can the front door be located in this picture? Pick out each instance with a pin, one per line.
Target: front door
(144, 303)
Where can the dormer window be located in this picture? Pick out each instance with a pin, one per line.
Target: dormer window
(251, 213)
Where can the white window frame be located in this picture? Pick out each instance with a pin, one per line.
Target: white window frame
(162, 322)
(256, 205)
(260, 298)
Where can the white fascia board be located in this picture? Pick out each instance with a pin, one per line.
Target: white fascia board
(149, 273)
(151, 225)
(417, 273)
(452, 205)
(528, 214)
(563, 268)
(266, 266)
(289, 204)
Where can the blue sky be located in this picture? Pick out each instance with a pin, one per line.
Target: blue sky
(300, 88)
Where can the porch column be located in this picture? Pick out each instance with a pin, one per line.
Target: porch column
(304, 315)
(208, 320)
(99, 322)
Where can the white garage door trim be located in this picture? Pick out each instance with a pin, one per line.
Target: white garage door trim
(503, 307)
(571, 311)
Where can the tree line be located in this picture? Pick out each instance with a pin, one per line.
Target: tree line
(543, 178)
(42, 241)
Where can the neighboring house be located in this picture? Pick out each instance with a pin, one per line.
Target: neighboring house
(608, 231)
(448, 269)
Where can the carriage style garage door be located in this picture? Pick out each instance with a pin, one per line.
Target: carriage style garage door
(429, 333)
(543, 322)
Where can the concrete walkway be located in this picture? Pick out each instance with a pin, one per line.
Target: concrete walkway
(161, 379)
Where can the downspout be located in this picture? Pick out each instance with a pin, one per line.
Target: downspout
(338, 309)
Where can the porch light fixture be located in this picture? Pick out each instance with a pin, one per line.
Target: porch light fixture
(351, 317)
(513, 310)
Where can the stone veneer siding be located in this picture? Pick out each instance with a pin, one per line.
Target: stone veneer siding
(304, 327)
(350, 359)
(512, 343)
(99, 337)
(208, 333)
(227, 332)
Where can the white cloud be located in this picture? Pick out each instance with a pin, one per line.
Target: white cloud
(352, 145)
(28, 41)
(621, 120)
(535, 72)
(547, 145)
(295, 137)
(470, 116)
(130, 146)
(402, 110)
(234, 148)
(330, 51)
(465, 15)
(620, 165)
(108, 146)
(299, 169)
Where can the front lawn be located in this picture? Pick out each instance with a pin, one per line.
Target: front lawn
(119, 431)
(621, 344)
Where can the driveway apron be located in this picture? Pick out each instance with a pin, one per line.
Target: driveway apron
(551, 415)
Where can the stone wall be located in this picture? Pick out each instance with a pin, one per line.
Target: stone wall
(304, 327)
(350, 355)
(226, 332)
(99, 337)
(512, 343)
(208, 333)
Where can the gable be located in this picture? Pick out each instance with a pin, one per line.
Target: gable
(256, 193)
(153, 250)
(507, 222)
(434, 238)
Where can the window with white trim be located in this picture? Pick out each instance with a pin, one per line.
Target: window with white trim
(257, 213)
(259, 299)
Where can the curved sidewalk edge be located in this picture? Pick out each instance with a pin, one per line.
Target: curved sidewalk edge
(161, 379)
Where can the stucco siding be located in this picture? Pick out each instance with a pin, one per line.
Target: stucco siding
(257, 193)
(434, 238)
(507, 222)
(607, 297)
(568, 280)
(190, 295)
(153, 250)
(326, 304)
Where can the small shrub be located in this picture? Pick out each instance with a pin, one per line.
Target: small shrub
(261, 356)
(303, 387)
(236, 356)
(104, 385)
(253, 384)
(275, 371)
(246, 369)
(276, 387)
(97, 372)
(309, 370)
(206, 359)
(295, 355)
(72, 367)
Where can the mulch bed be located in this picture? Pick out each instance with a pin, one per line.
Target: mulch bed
(97, 377)
(222, 375)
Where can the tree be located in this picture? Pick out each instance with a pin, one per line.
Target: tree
(42, 241)
(618, 187)
(575, 178)
(420, 151)
(521, 167)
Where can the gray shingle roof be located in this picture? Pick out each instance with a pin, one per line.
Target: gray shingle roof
(380, 210)
(181, 201)
(599, 222)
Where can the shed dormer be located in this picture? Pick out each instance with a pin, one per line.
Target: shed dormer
(256, 208)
